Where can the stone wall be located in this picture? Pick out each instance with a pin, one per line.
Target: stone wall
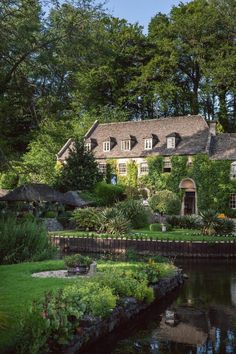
(52, 224)
(93, 329)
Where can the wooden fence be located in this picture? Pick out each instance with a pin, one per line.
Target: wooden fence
(218, 249)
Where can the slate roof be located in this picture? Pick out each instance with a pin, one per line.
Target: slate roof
(223, 147)
(193, 131)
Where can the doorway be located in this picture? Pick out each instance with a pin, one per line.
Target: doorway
(189, 203)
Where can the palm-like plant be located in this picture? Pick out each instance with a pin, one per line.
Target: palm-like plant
(209, 222)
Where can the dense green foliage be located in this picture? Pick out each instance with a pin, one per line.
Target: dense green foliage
(86, 219)
(77, 259)
(185, 221)
(212, 180)
(23, 241)
(53, 321)
(135, 212)
(165, 202)
(80, 171)
(73, 63)
(108, 194)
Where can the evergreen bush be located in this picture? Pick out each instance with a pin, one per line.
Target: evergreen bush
(108, 194)
(165, 202)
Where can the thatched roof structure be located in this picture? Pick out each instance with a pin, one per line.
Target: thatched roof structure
(3, 192)
(34, 192)
(72, 198)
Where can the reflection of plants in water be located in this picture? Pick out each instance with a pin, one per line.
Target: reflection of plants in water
(4, 322)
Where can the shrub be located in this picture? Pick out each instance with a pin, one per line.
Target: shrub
(209, 222)
(50, 214)
(152, 271)
(224, 227)
(135, 212)
(86, 219)
(132, 192)
(77, 259)
(125, 284)
(23, 241)
(108, 194)
(165, 202)
(185, 222)
(213, 225)
(112, 221)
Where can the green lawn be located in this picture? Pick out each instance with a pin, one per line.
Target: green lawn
(174, 235)
(18, 288)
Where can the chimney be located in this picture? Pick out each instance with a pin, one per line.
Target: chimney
(212, 127)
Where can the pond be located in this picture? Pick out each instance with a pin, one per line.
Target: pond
(206, 311)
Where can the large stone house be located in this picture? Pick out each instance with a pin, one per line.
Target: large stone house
(187, 136)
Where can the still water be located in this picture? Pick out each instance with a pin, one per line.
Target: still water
(205, 307)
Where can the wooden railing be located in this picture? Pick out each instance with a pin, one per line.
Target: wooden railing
(217, 249)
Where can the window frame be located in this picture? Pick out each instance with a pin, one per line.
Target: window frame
(102, 167)
(233, 171)
(106, 146)
(167, 165)
(232, 201)
(122, 168)
(148, 144)
(171, 142)
(144, 166)
(124, 144)
(88, 147)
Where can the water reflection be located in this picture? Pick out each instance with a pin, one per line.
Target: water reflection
(205, 307)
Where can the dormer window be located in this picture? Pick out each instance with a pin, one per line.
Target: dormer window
(90, 144)
(171, 143)
(233, 171)
(88, 147)
(106, 146)
(148, 144)
(172, 140)
(126, 145)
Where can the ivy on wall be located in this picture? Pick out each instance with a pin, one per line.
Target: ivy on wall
(212, 178)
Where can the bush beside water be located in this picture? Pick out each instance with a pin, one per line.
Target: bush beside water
(54, 320)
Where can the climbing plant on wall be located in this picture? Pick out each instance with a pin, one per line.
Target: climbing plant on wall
(212, 179)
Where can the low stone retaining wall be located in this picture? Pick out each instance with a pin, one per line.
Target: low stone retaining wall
(91, 330)
(195, 249)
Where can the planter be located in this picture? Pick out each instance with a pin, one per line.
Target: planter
(78, 270)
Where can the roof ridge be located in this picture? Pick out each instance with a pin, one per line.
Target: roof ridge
(155, 119)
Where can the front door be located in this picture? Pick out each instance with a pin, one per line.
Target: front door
(189, 203)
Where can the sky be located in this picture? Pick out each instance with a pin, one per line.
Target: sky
(140, 11)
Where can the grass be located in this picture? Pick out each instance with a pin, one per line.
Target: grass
(174, 235)
(18, 289)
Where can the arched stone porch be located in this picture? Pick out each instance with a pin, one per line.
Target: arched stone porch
(189, 202)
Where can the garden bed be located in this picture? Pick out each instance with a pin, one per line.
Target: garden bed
(129, 307)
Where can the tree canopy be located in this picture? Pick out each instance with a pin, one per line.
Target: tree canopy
(65, 64)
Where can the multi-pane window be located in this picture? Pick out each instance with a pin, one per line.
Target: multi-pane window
(125, 145)
(88, 147)
(102, 168)
(171, 143)
(106, 146)
(148, 144)
(232, 202)
(122, 169)
(233, 171)
(143, 168)
(167, 165)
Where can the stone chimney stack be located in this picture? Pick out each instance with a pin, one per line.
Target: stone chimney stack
(212, 127)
